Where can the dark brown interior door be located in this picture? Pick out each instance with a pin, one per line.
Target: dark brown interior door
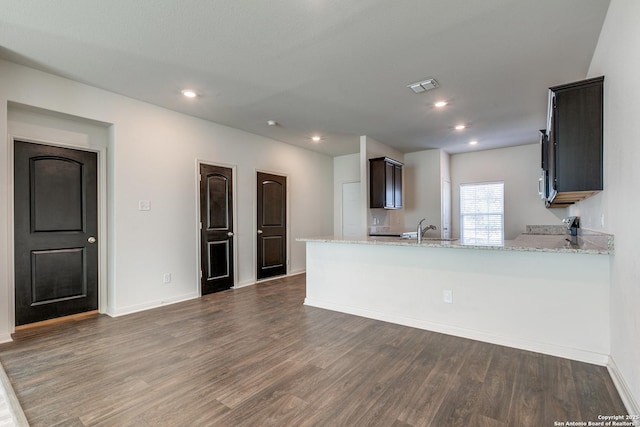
(272, 225)
(216, 223)
(55, 229)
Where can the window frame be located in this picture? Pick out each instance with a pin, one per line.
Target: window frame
(475, 240)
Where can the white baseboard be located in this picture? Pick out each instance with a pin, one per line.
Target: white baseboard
(538, 347)
(632, 404)
(116, 312)
(122, 311)
(255, 282)
(244, 284)
(9, 404)
(5, 338)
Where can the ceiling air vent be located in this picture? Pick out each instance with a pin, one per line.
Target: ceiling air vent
(424, 85)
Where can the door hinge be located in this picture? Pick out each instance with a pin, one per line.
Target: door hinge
(200, 225)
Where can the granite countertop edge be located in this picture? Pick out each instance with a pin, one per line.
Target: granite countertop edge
(509, 245)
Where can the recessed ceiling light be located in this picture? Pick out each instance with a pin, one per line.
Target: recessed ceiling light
(440, 104)
(272, 123)
(474, 142)
(316, 138)
(189, 93)
(460, 127)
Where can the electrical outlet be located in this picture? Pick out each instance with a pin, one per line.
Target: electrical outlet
(166, 278)
(144, 205)
(447, 296)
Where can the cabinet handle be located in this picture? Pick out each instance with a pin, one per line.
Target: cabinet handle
(259, 231)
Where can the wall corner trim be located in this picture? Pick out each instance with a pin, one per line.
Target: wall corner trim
(629, 401)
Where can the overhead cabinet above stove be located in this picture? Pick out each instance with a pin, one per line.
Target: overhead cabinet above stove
(573, 165)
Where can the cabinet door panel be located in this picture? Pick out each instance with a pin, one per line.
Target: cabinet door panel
(376, 184)
(389, 189)
(397, 186)
(578, 148)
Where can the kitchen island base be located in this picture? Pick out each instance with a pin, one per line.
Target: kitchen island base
(548, 302)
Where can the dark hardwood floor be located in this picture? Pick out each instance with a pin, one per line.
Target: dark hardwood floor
(257, 357)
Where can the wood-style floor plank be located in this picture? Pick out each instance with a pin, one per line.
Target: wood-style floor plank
(258, 356)
(496, 395)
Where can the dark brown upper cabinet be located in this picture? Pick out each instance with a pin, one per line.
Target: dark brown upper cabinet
(575, 153)
(385, 183)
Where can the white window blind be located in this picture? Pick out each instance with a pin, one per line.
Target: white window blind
(482, 213)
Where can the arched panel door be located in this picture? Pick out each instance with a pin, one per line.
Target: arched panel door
(272, 225)
(216, 228)
(55, 230)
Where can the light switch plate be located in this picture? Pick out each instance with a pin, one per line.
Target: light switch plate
(144, 205)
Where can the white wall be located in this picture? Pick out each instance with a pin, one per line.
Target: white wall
(152, 154)
(346, 169)
(445, 199)
(422, 188)
(519, 168)
(424, 171)
(616, 209)
(445, 165)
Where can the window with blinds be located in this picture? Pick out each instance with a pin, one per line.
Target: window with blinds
(482, 213)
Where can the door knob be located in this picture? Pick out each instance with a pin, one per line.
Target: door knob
(259, 231)
(91, 239)
(230, 234)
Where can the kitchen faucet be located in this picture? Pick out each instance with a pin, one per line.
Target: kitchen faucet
(420, 232)
(572, 223)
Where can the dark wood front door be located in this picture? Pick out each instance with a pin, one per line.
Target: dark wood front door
(272, 225)
(56, 231)
(216, 224)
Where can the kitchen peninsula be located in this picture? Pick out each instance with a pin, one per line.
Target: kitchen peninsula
(537, 292)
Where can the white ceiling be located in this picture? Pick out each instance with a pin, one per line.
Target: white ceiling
(334, 67)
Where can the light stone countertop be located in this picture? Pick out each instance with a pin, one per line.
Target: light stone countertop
(586, 243)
